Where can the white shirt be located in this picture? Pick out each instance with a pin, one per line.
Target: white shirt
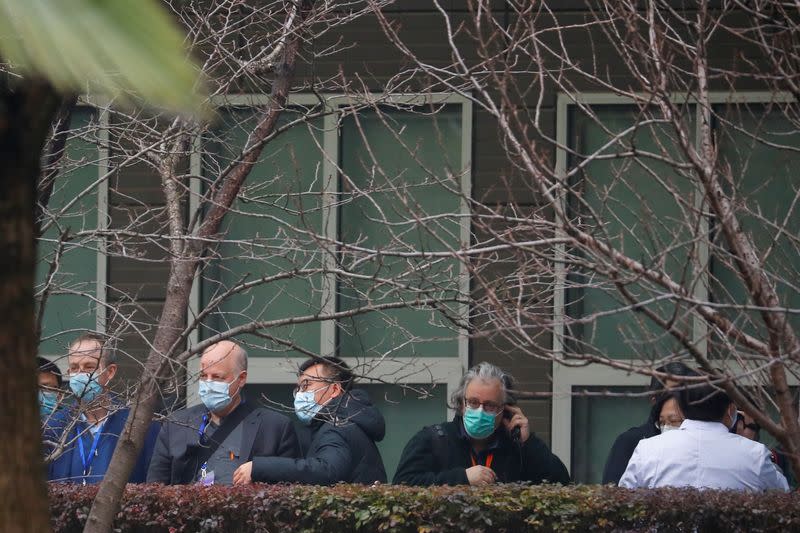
(702, 455)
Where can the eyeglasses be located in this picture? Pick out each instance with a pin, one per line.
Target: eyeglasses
(491, 408)
(303, 385)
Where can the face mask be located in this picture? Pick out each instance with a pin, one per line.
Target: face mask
(85, 387)
(47, 402)
(665, 428)
(305, 407)
(215, 394)
(477, 423)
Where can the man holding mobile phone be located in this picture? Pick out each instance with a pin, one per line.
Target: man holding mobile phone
(488, 441)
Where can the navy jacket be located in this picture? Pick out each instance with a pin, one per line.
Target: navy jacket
(175, 459)
(340, 447)
(441, 454)
(69, 466)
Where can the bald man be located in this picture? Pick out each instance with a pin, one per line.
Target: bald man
(208, 442)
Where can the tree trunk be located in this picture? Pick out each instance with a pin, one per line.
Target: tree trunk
(25, 116)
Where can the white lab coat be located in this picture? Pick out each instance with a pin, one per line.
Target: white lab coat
(702, 455)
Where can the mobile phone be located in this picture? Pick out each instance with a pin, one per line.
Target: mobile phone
(515, 432)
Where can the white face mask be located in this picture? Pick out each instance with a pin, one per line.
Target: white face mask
(665, 428)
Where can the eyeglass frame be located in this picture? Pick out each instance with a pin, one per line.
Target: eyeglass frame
(488, 407)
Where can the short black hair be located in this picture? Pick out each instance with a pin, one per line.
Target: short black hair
(336, 369)
(705, 403)
(675, 368)
(48, 367)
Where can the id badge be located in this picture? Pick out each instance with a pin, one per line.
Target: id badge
(207, 478)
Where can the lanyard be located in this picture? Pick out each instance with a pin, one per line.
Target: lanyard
(87, 461)
(201, 433)
(489, 458)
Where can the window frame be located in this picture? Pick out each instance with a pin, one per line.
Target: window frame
(282, 370)
(566, 378)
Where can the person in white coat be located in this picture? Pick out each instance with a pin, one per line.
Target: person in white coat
(703, 453)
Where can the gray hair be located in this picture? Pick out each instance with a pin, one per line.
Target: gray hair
(241, 358)
(485, 372)
(108, 356)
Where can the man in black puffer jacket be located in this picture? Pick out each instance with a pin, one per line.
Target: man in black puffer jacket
(341, 429)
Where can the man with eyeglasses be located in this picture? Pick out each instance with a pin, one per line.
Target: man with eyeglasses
(206, 443)
(488, 441)
(88, 428)
(339, 430)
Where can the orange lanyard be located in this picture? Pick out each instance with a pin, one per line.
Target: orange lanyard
(488, 459)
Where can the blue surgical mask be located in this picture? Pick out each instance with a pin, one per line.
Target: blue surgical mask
(47, 402)
(215, 394)
(85, 387)
(306, 407)
(478, 423)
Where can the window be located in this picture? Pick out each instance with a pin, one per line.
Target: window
(613, 188)
(318, 192)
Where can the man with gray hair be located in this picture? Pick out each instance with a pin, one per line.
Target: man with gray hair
(208, 442)
(90, 426)
(488, 441)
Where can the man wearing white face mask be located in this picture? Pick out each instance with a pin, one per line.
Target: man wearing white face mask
(208, 442)
(703, 453)
(90, 428)
(340, 429)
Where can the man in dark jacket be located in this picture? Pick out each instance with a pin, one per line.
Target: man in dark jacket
(626, 442)
(207, 443)
(487, 442)
(338, 440)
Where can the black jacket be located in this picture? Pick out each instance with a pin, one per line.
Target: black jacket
(175, 460)
(341, 447)
(441, 454)
(622, 450)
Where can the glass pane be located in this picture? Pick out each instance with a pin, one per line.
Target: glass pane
(760, 149)
(400, 193)
(70, 307)
(405, 413)
(270, 231)
(642, 207)
(596, 423)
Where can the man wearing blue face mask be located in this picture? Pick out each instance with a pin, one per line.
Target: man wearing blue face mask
(341, 428)
(487, 442)
(93, 423)
(208, 442)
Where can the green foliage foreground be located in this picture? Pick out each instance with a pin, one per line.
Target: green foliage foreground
(388, 508)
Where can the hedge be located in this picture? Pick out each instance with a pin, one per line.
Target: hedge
(510, 508)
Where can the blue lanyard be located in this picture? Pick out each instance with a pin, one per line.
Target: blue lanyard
(201, 433)
(87, 461)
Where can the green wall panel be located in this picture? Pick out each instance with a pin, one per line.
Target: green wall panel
(387, 185)
(639, 206)
(765, 195)
(70, 313)
(268, 232)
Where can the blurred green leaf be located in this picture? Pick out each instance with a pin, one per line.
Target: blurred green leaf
(119, 48)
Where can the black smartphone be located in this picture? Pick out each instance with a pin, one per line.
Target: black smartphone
(507, 414)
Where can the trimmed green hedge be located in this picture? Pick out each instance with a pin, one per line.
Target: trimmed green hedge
(511, 508)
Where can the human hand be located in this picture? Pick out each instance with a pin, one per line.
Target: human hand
(517, 419)
(480, 475)
(243, 474)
